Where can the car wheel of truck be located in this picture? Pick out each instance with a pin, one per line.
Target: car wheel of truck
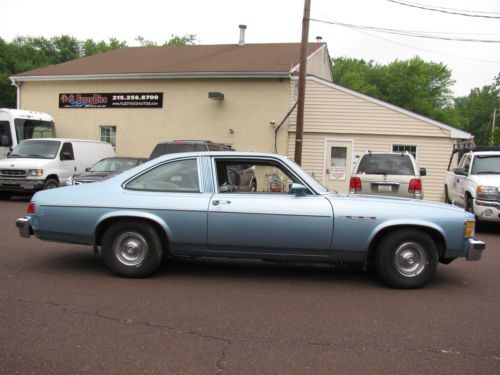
(50, 184)
(132, 249)
(407, 259)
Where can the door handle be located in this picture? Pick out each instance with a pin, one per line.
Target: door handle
(217, 202)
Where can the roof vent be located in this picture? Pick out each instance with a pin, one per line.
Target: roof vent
(319, 39)
(242, 34)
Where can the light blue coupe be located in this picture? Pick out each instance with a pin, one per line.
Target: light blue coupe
(192, 204)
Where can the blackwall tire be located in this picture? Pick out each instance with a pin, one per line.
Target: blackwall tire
(50, 183)
(407, 259)
(132, 249)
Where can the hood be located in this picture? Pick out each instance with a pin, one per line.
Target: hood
(24, 163)
(487, 179)
(93, 176)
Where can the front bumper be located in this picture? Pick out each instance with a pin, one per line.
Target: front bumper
(487, 210)
(21, 185)
(24, 227)
(475, 249)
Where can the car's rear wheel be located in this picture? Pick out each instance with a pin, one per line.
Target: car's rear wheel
(407, 259)
(132, 249)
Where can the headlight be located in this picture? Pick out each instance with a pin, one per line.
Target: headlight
(470, 228)
(486, 193)
(35, 172)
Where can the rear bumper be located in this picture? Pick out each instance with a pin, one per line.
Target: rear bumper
(24, 227)
(475, 249)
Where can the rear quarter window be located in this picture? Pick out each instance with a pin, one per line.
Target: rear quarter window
(386, 164)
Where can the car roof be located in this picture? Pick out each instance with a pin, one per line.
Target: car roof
(231, 154)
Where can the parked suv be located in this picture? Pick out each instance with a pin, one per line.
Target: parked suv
(387, 173)
(171, 147)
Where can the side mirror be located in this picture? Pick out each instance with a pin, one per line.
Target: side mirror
(5, 141)
(87, 169)
(460, 171)
(423, 172)
(227, 188)
(298, 190)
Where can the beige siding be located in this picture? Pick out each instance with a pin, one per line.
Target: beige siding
(319, 65)
(248, 109)
(334, 114)
(432, 154)
(328, 109)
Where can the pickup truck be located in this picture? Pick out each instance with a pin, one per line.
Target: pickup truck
(475, 183)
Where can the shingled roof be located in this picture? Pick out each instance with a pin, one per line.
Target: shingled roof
(254, 60)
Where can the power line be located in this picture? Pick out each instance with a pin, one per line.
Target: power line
(425, 49)
(409, 33)
(457, 12)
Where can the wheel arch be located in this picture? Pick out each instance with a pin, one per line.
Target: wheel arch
(53, 176)
(435, 233)
(106, 221)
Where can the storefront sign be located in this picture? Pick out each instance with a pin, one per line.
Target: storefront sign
(119, 100)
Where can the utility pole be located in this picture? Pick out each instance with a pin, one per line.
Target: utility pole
(299, 131)
(492, 140)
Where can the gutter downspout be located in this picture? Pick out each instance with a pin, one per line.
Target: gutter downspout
(18, 92)
(281, 124)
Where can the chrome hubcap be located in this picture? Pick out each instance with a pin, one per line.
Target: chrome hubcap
(410, 259)
(130, 248)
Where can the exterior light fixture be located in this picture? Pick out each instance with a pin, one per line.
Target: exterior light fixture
(215, 95)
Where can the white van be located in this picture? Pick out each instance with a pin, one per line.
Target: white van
(17, 125)
(36, 164)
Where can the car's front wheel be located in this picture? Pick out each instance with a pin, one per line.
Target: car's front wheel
(407, 259)
(132, 249)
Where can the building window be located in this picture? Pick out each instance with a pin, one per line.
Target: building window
(402, 148)
(108, 134)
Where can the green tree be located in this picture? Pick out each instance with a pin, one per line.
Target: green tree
(476, 112)
(185, 40)
(90, 47)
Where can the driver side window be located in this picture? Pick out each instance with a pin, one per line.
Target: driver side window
(253, 176)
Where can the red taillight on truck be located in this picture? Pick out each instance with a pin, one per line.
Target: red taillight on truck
(31, 208)
(415, 186)
(355, 185)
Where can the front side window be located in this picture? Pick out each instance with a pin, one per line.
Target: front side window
(254, 176)
(108, 134)
(67, 152)
(177, 176)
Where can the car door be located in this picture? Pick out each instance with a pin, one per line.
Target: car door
(269, 221)
(68, 164)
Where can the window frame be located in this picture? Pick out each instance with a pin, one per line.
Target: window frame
(404, 146)
(159, 165)
(111, 136)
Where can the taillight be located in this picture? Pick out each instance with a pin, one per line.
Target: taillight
(31, 208)
(355, 185)
(415, 186)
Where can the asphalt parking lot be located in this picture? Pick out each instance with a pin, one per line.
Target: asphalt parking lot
(62, 312)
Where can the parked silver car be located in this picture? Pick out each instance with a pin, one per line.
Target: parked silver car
(387, 173)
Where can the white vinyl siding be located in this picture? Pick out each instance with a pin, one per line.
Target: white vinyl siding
(319, 65)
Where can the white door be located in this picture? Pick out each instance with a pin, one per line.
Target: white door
(338, 165)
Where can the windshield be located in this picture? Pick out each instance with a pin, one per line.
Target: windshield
(27, 129)
(393, 164)
(113, 165)
(486, 164)
(36, 149)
